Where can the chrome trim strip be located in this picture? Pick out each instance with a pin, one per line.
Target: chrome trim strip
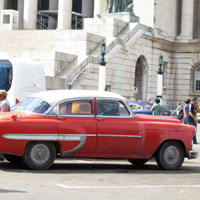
(113, 117)
(76, 149)
(47, 137)
(128, 136)
(73, 137)
(61, 137)
(75, 115)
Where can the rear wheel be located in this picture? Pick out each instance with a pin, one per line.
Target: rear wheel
(170, 156)
(13, 159)
(39, 155)
(138, 162)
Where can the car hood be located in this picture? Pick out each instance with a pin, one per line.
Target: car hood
(8, 115)
(154, 118)
(18, 114)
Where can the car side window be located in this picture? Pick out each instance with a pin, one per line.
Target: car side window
(112, 108)
(76, 108)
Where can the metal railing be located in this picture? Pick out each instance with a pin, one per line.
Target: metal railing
(77, 21)
(42, 21)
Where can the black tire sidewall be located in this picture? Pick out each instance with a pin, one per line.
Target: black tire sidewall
(30, 163)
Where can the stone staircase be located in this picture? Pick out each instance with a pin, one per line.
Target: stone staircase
(119, 36)
(69, 55)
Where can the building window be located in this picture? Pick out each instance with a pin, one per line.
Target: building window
(6, 19)
(43, 5)
(14, 19)
(197, 79)
(11, 4)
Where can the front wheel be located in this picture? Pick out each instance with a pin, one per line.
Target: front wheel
(170, 156)
(39, 155)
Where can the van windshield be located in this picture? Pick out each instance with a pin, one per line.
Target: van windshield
(5, 74)
(32, 104)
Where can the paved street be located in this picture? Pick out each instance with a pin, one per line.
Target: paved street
(97, 180)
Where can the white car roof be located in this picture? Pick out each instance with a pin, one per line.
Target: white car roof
(53, 96)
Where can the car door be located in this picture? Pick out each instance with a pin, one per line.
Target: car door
(118, 131)
(77, 126)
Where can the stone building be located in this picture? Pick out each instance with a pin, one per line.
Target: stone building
(65, 35)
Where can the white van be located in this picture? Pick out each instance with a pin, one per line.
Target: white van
(20, 77)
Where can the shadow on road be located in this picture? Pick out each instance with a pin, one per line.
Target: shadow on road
(11, 191)
(98, 168)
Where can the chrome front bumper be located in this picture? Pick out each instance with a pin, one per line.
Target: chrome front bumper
(193, 154)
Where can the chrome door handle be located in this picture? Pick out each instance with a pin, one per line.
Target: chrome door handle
(100, 118)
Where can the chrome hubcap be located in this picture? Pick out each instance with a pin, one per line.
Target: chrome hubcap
(172, 155)
(40, 153)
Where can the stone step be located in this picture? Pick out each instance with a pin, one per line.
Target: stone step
(74, 42)
(105, 26)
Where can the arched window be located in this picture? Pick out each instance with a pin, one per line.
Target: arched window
(197, 79)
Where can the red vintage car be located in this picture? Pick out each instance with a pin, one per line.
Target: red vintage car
(90, 124)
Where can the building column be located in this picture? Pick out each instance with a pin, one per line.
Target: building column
(52, 23)
(21, 13)
(187, 19)
(1, 4)
(64, 14)
(30, 14)
(100, 6)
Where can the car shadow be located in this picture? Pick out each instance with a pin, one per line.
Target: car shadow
(103, 167)
(11, 191)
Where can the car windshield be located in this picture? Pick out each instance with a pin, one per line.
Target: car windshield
(32, 104)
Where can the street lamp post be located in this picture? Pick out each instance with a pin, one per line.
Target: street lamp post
(102, 68)
(160, 79)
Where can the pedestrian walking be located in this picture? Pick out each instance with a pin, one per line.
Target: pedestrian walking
(157, 108)
(178, 109)
(185, 110)
(4, 104)
(191, 117)
(150, 101)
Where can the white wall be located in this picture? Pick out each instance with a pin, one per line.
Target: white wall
(144, 9)
(166, 15)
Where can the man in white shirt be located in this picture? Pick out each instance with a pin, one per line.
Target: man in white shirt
(4, 104)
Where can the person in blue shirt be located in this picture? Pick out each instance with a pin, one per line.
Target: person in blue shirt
(185, 110)
(178, 109)
(191, 117)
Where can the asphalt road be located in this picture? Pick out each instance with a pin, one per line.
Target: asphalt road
(100, 180)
